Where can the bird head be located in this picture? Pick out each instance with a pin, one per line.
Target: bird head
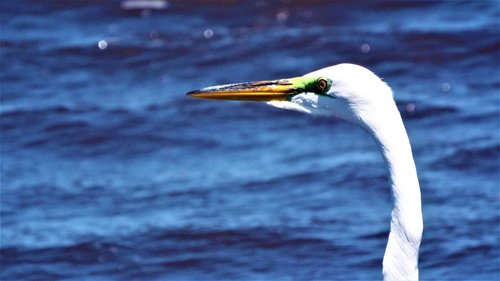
(347, 91)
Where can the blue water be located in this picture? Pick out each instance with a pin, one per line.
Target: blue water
(109, 172)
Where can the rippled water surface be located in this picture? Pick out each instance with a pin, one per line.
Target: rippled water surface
(109, 172)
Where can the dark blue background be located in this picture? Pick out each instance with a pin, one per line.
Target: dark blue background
(109, 172)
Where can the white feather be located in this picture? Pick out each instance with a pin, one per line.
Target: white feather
(360, 97)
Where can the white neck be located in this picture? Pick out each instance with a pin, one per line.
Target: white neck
(401, 255)
(360, 97)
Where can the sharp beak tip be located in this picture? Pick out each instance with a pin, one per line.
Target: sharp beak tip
(192, 93)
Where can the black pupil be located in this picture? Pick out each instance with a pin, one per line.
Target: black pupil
(322, 84)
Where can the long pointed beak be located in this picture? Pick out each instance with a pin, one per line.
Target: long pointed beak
(276, 90)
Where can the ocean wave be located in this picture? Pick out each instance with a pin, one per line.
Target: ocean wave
(476, 159)
(174, 251)
(109, 172)
(93, 131)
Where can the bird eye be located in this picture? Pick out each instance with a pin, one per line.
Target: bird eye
(322, 85)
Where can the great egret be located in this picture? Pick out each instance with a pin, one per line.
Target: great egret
(355, 94)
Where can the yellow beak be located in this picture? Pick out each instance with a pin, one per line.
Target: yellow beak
(276, 90)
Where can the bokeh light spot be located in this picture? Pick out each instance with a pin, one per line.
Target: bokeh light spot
(208, 33)
(102, 44)
(365, 48)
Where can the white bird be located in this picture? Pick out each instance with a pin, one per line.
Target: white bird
(355, 94)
